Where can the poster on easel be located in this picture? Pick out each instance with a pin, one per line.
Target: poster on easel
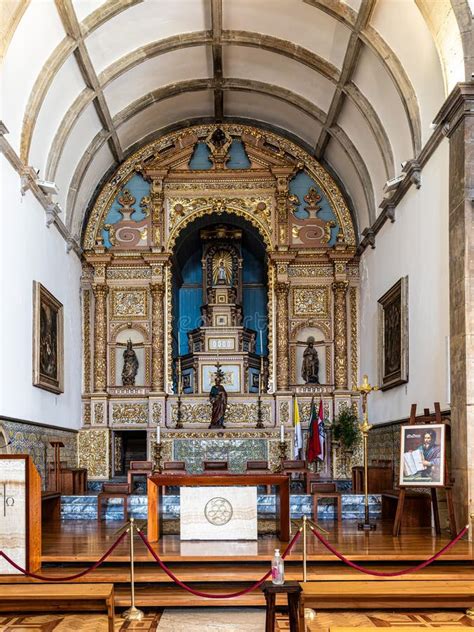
(20, 513)
(422, 455)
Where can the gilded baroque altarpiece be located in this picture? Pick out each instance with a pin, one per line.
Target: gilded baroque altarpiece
(129, 244)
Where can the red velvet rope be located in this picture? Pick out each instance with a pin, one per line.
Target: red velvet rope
(395, 573)
(214, 595)
(71, 577)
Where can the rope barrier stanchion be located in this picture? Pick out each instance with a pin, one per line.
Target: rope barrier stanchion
(70, 577)
(304, 548)
(405, 571)
(132, 613)
(199, 593)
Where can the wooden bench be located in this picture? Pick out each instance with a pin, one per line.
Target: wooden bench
(394, 594)
(50, 506)
(58, 597)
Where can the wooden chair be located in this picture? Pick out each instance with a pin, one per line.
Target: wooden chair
(326, 490)
(300, 467)
(113, 490)
(138, 468)
(173, 467)
(259, 467)
(216, 466)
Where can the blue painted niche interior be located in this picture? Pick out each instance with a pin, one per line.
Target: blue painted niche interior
(187, 282)
(300, 186)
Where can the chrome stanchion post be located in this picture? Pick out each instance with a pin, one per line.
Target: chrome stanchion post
(132, 613)
(305, 553)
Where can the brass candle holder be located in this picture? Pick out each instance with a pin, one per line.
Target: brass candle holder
(364, 389)
(179, 415)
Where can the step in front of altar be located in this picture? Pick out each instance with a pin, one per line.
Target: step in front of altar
(85, 507)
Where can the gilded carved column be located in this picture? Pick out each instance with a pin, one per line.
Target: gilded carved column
(340, 334)
(86, 336)
(100, 338)
(282, 290)
(157, 337)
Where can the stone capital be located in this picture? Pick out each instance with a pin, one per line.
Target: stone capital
(458, 105)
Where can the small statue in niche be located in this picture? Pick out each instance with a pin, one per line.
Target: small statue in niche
(222, 268)
(310, 366)
(130, 365)
(218, 399)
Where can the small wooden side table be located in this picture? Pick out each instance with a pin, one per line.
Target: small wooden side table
(293, 591)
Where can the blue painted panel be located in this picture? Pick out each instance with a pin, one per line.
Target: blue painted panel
(255, 313)
(238, 156)
(192, 269)
(252, 269)
(190, 300)
(299, 186)
(200, 158)
(138, 187)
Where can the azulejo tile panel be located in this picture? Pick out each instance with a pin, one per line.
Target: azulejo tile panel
(236, 451)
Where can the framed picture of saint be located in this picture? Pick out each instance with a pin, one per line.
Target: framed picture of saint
(422, 455)
(393, 336)
(48, 347)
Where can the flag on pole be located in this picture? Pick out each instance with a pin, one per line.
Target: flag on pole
(297, 428)
(315, 443)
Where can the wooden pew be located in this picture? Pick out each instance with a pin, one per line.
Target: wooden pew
(58, 598)
(393, 594)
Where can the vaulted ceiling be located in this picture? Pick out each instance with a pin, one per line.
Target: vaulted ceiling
(357, 83)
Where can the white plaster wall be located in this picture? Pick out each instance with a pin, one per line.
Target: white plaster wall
(29, 251)
(415, 245)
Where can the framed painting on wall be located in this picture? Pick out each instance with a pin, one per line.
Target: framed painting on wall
(422, 450)
(48, 346)
(393, 335)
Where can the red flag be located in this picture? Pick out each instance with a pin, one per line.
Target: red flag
(313, 447)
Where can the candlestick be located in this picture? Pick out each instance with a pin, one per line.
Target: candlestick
(261, 342)
(180, 377)
(179, 345)
(158, 434)
(282, 433)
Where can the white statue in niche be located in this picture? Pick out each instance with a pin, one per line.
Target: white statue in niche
(222, 268)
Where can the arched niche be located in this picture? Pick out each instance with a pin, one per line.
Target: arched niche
(142, 351)
(298, 346)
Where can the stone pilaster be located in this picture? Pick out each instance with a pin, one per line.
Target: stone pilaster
(457, 120)
(100, 338)
(157, 337)
(282, 368)
(340, 334)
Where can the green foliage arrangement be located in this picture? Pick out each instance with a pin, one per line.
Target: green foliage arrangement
(345, 428)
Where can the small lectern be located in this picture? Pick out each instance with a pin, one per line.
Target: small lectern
(20, 513)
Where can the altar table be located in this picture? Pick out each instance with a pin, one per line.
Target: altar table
(156, 482)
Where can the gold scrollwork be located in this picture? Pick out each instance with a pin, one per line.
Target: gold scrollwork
(340, 334)
(311, 301)
(100, 338)
(93, 452)
(282, 290)
(130, 413)
(156, 412)
(86, 329)
(132, 164)
(354, 337)
(129, 303)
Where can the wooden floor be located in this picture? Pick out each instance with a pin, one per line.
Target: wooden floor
(86, 541)
(225, 567)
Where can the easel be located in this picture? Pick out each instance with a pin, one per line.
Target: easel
(426, 419)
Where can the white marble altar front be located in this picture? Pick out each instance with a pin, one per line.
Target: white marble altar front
(218, 513)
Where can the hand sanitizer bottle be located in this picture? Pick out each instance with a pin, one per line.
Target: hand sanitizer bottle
(278, 571)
